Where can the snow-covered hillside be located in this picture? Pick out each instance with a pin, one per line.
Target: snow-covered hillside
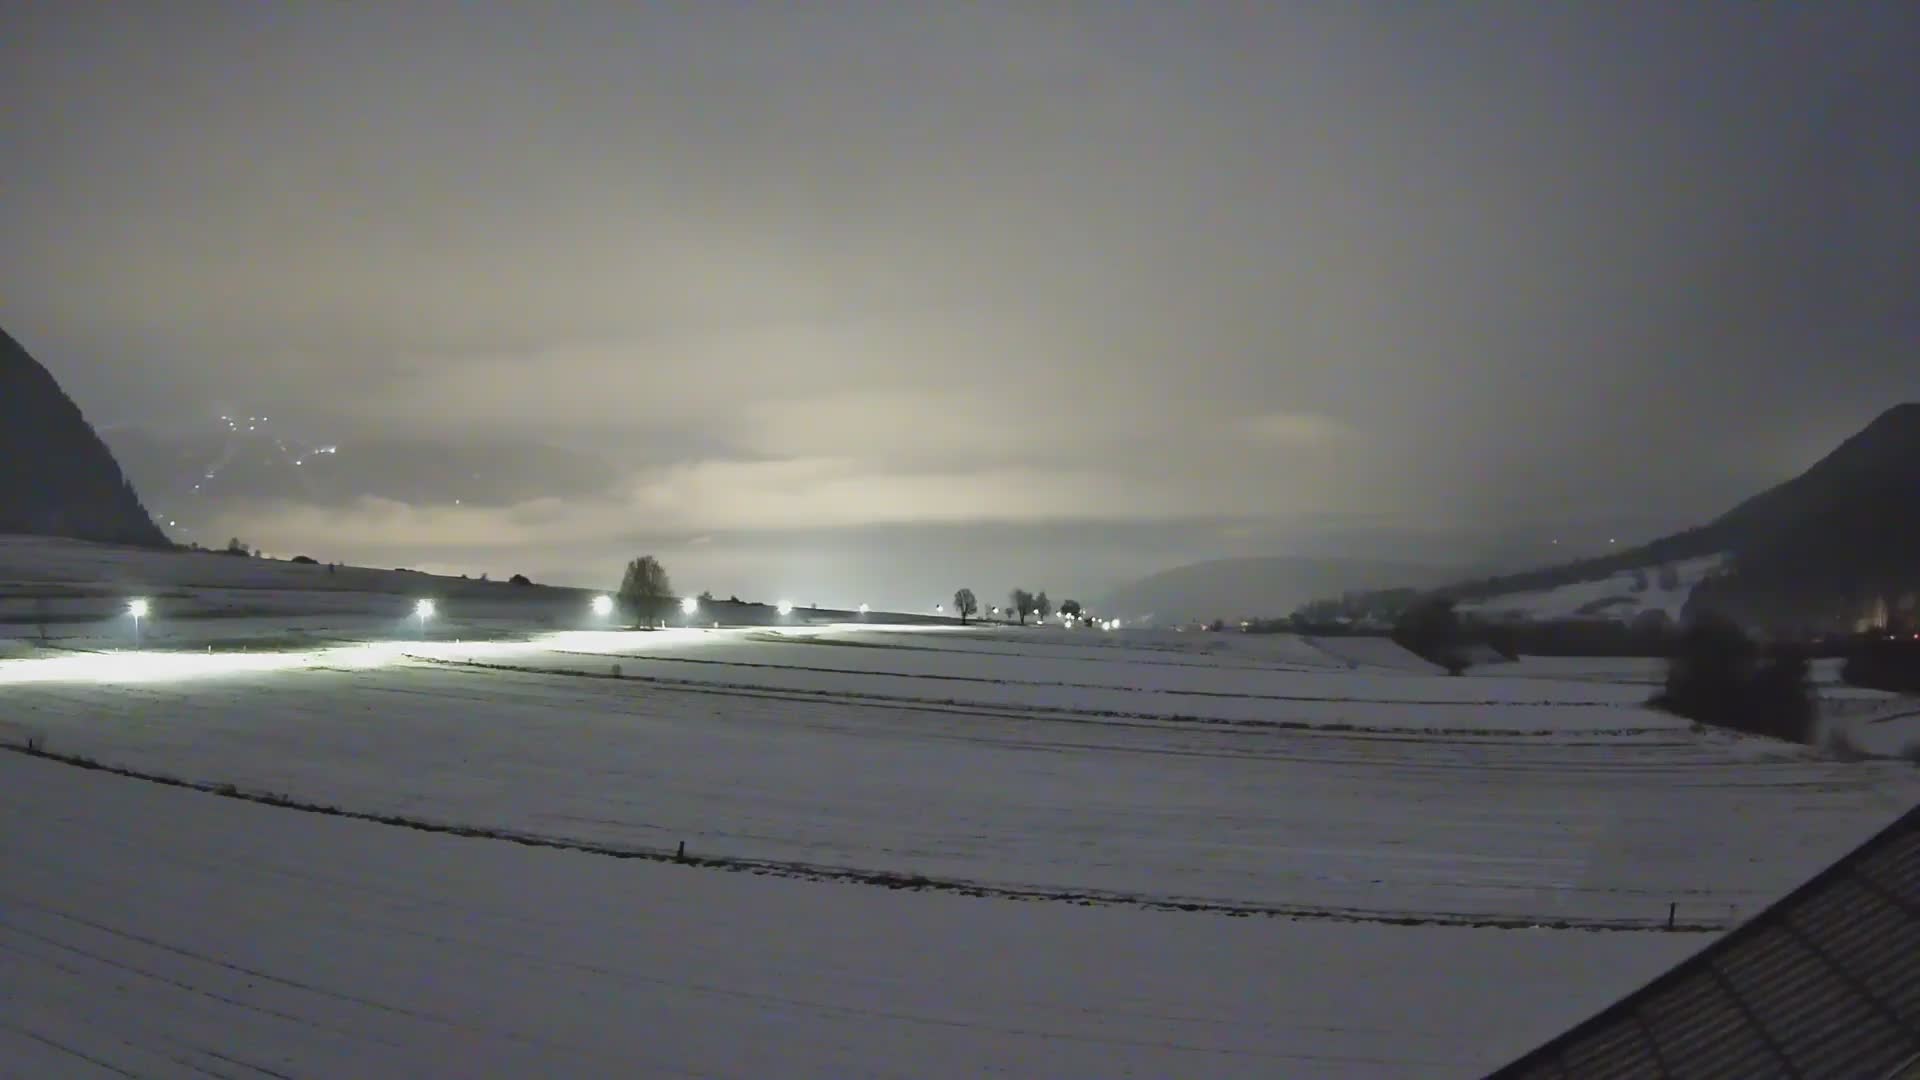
(1620, 597)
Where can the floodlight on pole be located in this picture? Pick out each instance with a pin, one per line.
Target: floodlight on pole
(864, 609)
(785, 607)
(423, 610)
(689, 605)
(137, 608)
(603, 606)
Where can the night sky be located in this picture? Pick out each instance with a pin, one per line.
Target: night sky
(873, 300)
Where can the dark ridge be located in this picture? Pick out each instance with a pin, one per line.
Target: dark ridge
(1816, 552)
(56, 477)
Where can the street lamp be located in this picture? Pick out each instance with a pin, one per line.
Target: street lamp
(688, 606)
(785, 608)
(138, 609)
(423, 610)
(863, 610)
(603, 606)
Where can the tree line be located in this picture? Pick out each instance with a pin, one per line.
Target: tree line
(1021, 604)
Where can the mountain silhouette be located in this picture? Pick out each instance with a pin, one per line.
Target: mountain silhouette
(56, 477)
(1812, 551)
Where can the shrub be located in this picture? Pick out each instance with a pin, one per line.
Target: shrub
(1780, 699)
(1708, 673)
(305, 560)
(519, 579)
(1718, 676)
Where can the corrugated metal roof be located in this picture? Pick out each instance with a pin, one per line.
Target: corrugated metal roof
(1824, 983)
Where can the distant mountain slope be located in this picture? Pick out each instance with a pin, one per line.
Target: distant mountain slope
(1810, 549)
(1855, 511)
(1258, 587)
(56, 477)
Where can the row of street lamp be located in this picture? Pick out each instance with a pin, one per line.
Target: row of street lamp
(424, 609)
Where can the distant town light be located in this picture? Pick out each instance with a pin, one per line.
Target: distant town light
(603, 606)
(689, 605)
(785, 608)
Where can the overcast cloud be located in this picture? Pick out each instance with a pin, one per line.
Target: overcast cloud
(1217, 277)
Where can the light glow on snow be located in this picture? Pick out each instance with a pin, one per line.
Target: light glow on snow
(130, 666)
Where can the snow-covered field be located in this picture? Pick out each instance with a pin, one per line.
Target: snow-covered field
(1397, 819)
(155, 932)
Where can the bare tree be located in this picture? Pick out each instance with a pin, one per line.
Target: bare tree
(965, 604)
(1022, 603)
(645, 592)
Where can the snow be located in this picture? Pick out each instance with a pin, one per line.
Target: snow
(1359, 791)
(1881, 724)
(1612, 597)
(1373, 816)
(167, 933)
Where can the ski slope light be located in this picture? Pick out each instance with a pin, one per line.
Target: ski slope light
(689, 605)
(603, 606)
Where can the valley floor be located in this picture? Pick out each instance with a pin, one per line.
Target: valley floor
(159, 932)
(1129, 853)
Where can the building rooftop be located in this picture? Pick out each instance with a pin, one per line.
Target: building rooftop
(1826, 982)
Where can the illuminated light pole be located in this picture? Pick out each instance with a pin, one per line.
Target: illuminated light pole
(138, 609)
(689, 605)
(785, 608)
(863, 610)
(423, 610)
(603, 606)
